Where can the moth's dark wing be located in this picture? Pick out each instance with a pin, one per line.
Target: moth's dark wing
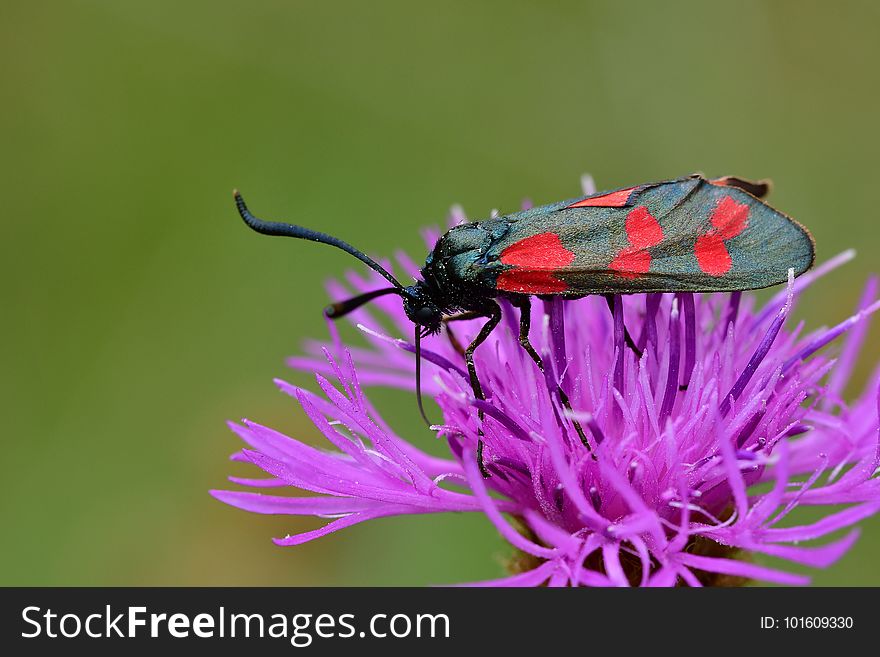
(757, 188)
(682, 235)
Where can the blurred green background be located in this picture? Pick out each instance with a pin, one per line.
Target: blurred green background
(139, 314)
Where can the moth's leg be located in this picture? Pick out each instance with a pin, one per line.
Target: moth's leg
(525, 323)
(453, 340)
(626, 336)
(460, 317)
(494, 314)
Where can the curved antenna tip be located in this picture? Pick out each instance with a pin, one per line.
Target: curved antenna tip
(279, 229)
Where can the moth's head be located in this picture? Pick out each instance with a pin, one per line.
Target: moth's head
(421, 308)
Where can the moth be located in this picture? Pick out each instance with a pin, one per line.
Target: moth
(689, 234)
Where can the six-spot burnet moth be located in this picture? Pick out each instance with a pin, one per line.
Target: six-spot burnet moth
(684, 235)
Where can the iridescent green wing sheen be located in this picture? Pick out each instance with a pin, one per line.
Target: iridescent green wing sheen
(689, 234)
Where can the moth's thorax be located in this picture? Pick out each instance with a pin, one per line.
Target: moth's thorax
(460, 263)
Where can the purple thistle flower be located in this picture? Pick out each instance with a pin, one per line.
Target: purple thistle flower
(725, 397)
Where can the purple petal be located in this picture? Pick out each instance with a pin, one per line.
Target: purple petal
(509, 533)
(824, 526)
(741, 569)
(534, 577)
(296, 506)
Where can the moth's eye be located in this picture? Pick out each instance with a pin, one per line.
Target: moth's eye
(426, 315)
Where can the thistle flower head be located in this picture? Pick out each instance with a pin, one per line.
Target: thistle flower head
(701, 438)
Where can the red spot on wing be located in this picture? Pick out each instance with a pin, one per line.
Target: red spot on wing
(642, 231)
(728, 219)
(542, 251)
(530, 282)
(712, 255)
(612, 200)
(534, 260)
(631, 262)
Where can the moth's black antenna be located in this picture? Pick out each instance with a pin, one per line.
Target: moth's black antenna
(342, 308)
(290, 230)
(418, 341)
